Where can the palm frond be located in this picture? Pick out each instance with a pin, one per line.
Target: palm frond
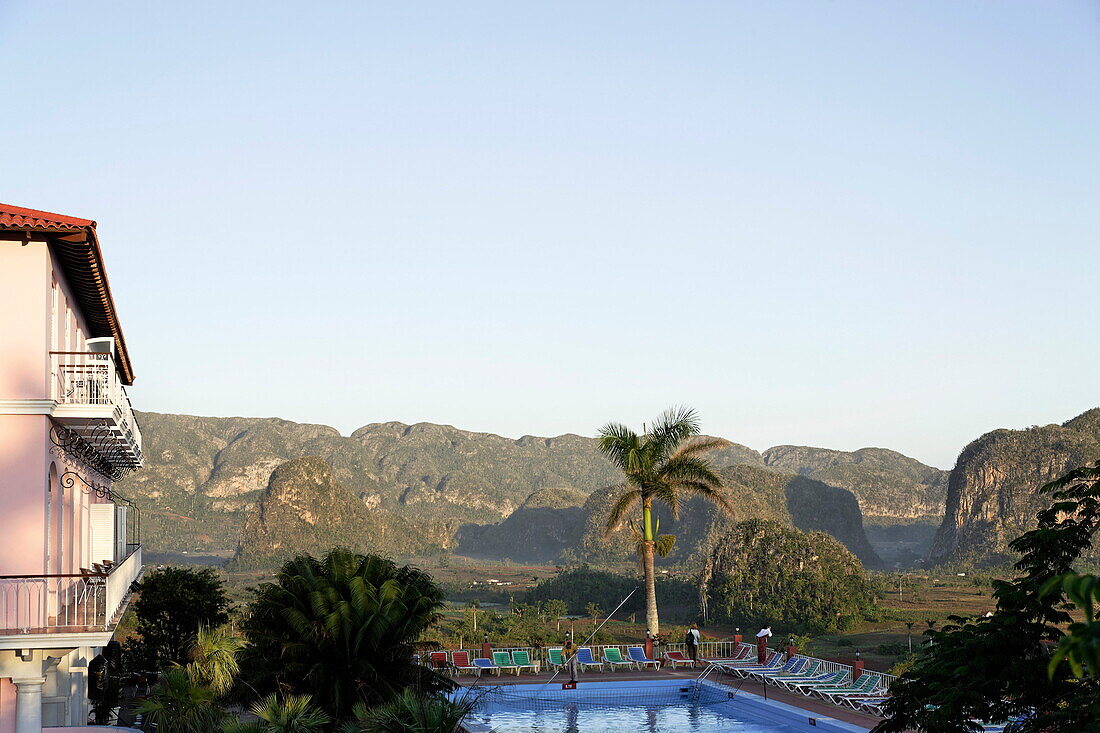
(622, 446)
(689, 468)
(627, 499)
(695, 446)
(666, 493)
(672, 427)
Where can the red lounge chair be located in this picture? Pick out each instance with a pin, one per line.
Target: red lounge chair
(676, 659)
(461, 662)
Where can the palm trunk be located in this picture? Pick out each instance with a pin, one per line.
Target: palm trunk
(651, 620)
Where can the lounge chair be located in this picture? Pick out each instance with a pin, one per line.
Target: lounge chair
(803, 667)
(439, 662)
(555, 659)
(866, 683)
(522, 661)
(678, 658)
(741, 655)
(585, 660)
(613, 657)
(795, 684)
(486, 664)
(504, 661)
(774, 664)
(461, 662)
(637, 655)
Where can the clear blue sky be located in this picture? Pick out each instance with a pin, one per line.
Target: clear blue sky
(837, 223)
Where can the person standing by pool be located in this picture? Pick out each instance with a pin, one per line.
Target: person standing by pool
(570, 653)
(691, 641)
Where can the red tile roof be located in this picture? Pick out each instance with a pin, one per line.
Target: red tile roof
(76, 249)
(16, 217)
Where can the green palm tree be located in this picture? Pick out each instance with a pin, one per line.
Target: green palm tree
(341, 627)
(179, 704)
(660, 465)
(214, 658)
(412, 712)
(293, 714)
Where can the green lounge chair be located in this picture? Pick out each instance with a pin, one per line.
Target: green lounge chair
(522, 660)
(866, 683)
(614, 657)
(504, 661)
(555, 659)
(794, 684)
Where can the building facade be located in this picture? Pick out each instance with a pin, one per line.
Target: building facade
(69, 539)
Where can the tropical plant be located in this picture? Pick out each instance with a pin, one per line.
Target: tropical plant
(342, 627)
(292, 714)
(214, 658)
(661, 465)
(179, 704)
(412, 712)
(1000, 666)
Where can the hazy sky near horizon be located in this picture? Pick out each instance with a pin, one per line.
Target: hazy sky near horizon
(839, 224)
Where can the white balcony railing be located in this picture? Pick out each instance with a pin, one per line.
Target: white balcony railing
(86, 378)
(87, 602)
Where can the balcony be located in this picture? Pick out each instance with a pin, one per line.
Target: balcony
(92, 403)
(89, 604)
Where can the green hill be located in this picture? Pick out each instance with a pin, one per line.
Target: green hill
(304, 509)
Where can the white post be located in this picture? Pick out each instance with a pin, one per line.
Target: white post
(28, 705)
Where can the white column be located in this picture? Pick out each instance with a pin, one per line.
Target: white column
(28, 705)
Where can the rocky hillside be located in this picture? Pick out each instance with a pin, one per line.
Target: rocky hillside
(539, 530)
(992, 494)
(203, 475)
(304, 509)
(888, 485)
(756, 493)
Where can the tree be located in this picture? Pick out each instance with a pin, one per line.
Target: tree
(1000, 666)
(292, 714)
(343, 628)
(660, 466)
(172, 605)
(555, 608)
(762, 572)
(593, 610)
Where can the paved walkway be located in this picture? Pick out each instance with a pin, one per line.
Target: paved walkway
(817, 707)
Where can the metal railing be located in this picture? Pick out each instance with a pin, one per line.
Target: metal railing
(92, 378)
(67, 603)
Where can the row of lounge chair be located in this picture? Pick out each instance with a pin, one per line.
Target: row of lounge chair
(519, 661)
(808, 677)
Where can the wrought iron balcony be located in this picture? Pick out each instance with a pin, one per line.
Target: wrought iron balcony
(90, 602)
(92, 403)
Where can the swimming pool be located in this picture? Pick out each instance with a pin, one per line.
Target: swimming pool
(660, 706)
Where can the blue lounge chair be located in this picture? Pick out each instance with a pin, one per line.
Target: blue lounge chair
(772, 666)
(637, 655)
(585, 660)
(793, 684)
(486, 664)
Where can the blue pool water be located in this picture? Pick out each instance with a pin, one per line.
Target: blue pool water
(665, 706)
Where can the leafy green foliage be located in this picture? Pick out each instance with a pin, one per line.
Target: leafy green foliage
(997, 667)
(292, 714)
(343, 628)
(583, 585)
(179, 704)
(412, 712)
(173, 604)
(764, 573)
(1081, 646)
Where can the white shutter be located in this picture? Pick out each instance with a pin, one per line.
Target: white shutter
(103, 532)
(120, 533)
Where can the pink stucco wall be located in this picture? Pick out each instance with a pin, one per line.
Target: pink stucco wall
(7, 706)
(41, 318)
